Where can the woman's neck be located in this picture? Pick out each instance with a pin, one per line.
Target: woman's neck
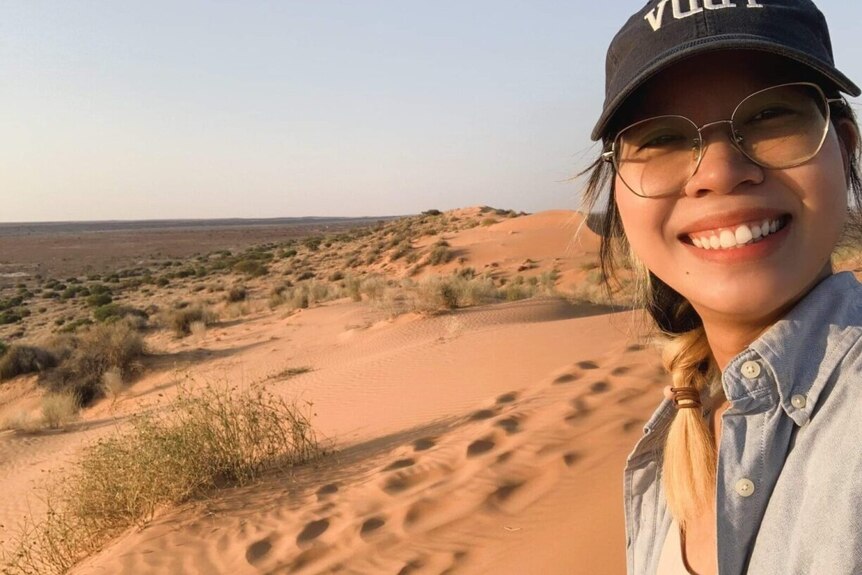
(729, 336)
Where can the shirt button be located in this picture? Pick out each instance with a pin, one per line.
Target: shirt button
(798, 401)
(744, 487)
(750, 369)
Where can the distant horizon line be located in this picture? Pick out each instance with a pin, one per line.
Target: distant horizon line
(194, 220)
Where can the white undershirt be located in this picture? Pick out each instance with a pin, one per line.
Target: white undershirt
(671, 562)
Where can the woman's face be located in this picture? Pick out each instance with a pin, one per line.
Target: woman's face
(754, 282)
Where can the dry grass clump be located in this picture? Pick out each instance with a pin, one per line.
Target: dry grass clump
(201, 441)
(181, 320)
(21, 359)
(101, 348)
(440, 253)
(58, 409)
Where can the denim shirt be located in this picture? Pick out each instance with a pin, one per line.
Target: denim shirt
(789, 476)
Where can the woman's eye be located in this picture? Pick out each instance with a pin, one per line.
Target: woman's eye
(773, 113)
(663, 141)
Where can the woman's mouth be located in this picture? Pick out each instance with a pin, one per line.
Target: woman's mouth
(736, 236)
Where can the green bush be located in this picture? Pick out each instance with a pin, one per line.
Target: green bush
(250, 267)
(99, 299)
(102, 347)
(21, 359)
(113, 312)
(10, 316)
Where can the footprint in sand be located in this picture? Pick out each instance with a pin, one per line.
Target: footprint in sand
(308, 557)
(480, 446)
(571, 458)
(565, 378)
(312, 531)
(634, 347)
(424, 443)
(411, 567)
(600, 387)
(621, 370)
(409, 477)
(581, 411)
(483, 414)
(326, 491)
(507, 398)
(400, 464)
(587, 365)
(510, 425)
(370, 526)
(257, 551)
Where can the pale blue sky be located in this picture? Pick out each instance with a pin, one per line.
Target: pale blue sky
(181, 109)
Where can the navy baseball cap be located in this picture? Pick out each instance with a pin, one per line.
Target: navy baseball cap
(666, 31)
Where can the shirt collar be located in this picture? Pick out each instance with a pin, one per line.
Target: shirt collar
(802, 349)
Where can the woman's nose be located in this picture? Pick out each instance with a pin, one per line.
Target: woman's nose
(723, 168)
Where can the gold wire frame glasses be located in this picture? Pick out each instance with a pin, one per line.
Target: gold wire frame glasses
(776, 128)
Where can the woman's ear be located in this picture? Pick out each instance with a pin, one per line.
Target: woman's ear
(848, 137)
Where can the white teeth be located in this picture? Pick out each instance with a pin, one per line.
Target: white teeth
(731, 238)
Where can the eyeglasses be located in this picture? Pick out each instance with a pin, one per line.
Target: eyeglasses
(779, 127)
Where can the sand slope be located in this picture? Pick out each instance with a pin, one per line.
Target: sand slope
(488, 441)
(485, 440)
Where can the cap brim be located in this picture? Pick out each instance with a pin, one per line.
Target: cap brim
(727, 42)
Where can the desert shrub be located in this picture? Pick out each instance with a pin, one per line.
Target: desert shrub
(99, 299)
(199, 442)
(3, 348)
(180, 320)
(235, 294)
(251, 267)
(96, 289)
(489, 221)
(299, 299)
(336, 276)
(306, 275)
(277, 295)
(353, 287)
(515, 291)
(373, 287)
(58, 409)
(113, 312)
(74, 325)
(102, 347)
(10, 316)
(432, 213)
(440, 253)
(21, 359)
(401, 249)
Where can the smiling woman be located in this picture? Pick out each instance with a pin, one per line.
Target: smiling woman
(728, 155)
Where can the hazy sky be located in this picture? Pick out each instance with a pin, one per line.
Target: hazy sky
(181, 109)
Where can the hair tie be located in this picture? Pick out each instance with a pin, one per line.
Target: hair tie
(685, 397)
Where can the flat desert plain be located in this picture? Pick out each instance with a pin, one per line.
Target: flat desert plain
(475, 439)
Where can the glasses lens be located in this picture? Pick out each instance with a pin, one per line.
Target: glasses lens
(657, 156)
(783, 126)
